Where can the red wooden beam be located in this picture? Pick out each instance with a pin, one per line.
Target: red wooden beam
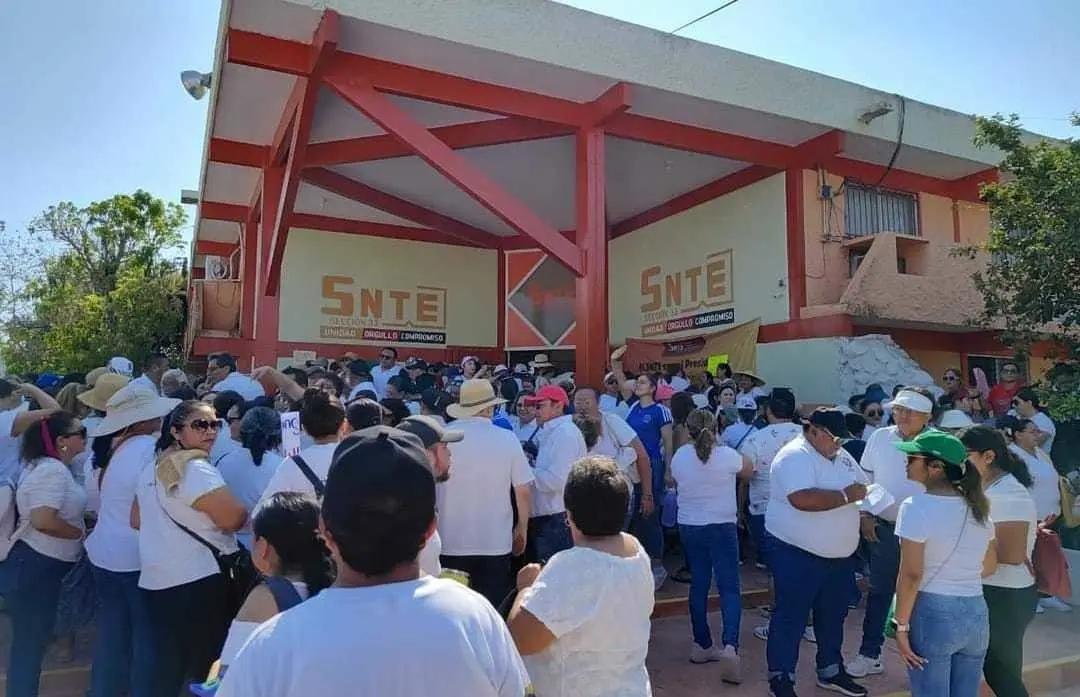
(249, 275)
(232, 152)
(380, 200)
(796, 242)
(967, 188)
(433, 86)
(614, 101)
(813, 153)
(267, 52)
(901, 180)
(323, 48)
(373, 229)
(591, 287)
(458, 136)
(216, 210)
(516, 242)
(646, 129)
(216, 249)
(358, 92)
(281, 139)
(691, 199)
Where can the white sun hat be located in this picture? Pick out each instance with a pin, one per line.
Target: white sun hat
(130, 405)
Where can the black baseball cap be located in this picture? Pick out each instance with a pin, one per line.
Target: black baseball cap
(359, 368)
(414, 363)
(436, 400)
(832, 420)
(429, 430)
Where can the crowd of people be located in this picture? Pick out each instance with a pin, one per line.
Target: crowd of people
(488, 530)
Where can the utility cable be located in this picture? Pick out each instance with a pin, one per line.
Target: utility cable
(708, 14)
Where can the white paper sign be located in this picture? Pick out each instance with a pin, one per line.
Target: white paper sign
(302, 357)
(290, 433)
(877, 500)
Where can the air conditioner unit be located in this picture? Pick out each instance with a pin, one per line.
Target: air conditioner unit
(855, 259)
(216, 268)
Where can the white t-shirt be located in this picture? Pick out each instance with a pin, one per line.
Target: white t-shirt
(429, 555)
(736, 434)
(223, 445)
(954, 543)
(237, 382)
(240, 631)
(83, 467)
(560, 445)
(247, 481)
(169, 556)
(475, 517)
(1011, 502)
(380, 377)
(288, 477)
(425, 637)
(888, 467)
(114, 545)
(525, 431)
(706, 490)
(598, 607)
(1046, 425)
(1045, 489)
(49, 483)
(831, 534)
(9, 444)
(614, 442)
(760, 447)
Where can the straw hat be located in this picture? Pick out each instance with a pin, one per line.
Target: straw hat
(105, 386)
(93, 375)
(758, 382)
(130, 405)
(541, 360)
(476, 395)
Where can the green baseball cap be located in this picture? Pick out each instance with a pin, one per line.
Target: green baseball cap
(936, 444)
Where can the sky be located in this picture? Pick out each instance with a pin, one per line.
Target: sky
(92, 103)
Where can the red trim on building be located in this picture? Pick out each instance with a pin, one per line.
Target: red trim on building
(901, 180)
(341, 185)
(212, 248)
(691, 199)
(267, 52)
(354, 89)
(249, 276)
(796, 242)
(216, 210)
(956, 221)
(475, 134)
(809, 328)
(612, 102)
(501, 288)
(371, 229)
(234, 152)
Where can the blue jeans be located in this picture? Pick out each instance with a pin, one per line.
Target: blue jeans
(123, 653)
(713, 549)
(952, 634)
(762, 539)
(884, 566)
(648, 530)
(805, 582)
(32, 604)
(551, 534)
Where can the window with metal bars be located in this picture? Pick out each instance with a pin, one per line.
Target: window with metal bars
(868, 211)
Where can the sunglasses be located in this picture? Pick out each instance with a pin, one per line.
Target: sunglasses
(81, 433)
(204, 425)
(948, 378)
(872, 412)
(387, 358)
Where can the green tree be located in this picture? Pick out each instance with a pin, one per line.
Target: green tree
(1032, 282)
(104, 286)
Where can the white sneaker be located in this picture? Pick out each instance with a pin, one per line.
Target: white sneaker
(1054, 603)
(710, 655)
(659, 575)
(808, 635)
(861, 666)
(731, 669)
(762, 632)
(1039, 608)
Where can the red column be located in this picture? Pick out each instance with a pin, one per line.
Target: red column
(796, 242)
(592, 287)
(500, 341)
(266, 306)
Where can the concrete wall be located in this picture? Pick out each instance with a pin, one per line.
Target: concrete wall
(807, 366)
(355, 289)
(749, 223)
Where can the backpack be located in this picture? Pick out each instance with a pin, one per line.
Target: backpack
(11, 528)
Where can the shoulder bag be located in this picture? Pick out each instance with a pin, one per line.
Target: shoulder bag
(305, 469)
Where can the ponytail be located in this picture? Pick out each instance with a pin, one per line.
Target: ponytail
(968, 484)
(289, 522)
(103, 452)
(982, 438)
(702, 427)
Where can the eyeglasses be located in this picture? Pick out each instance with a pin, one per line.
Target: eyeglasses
(81, 433)
(948, 378)
(204, 425)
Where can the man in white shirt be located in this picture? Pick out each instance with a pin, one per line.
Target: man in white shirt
(887, 467)
(813, 516)
(559, 444)
(153, 369)
(476, 520)
(432, 636)
(221, 374)
(386, 369)
(1027, 405)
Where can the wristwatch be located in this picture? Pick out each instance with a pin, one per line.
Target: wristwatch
(902, 627)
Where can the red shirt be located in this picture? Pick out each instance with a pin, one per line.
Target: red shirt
(1001, 397)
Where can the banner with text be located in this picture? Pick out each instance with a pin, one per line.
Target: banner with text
(692, 353)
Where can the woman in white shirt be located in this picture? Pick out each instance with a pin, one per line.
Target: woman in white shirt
(248, 470)
(582, 622)
(1045, 491)
(182, 583)
(124, 445)
(49, 536)
(15, 418)
(1010, 592)
(705, 474)
(946, 547)
(292, 559)
(323, 418)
